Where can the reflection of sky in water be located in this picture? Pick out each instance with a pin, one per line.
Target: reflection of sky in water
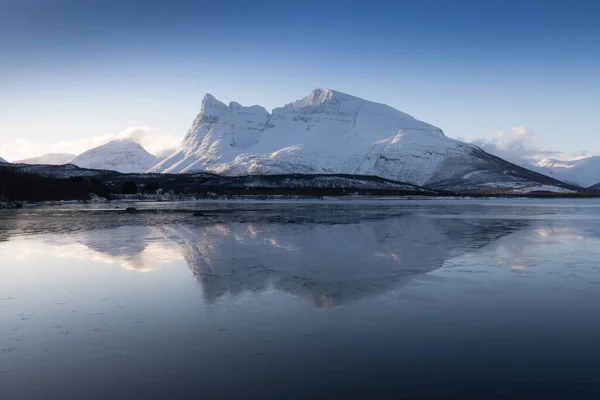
(152, 257)
(418, 301)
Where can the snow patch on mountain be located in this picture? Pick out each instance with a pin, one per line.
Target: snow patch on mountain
(49, 159)
(3, 161)
(124, 156)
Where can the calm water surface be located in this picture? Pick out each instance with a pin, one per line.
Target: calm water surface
(432, 299)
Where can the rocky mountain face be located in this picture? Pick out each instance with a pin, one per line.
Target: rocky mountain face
(332, 132)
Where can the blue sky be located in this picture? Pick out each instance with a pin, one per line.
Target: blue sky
(518, 76)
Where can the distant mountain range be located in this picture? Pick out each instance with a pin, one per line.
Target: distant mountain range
(584, 172)
(329, 132)
(48, 159)
(125, 156)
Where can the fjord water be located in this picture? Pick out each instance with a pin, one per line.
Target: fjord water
(409, 299)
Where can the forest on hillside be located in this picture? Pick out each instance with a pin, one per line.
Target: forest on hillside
(19, 186)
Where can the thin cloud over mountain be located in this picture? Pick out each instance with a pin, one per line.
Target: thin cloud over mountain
(520, 146)
(153, 140)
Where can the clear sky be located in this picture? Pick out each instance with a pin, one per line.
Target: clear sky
(522, 76)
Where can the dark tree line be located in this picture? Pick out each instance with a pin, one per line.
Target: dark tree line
(15, 185)
(129, 187)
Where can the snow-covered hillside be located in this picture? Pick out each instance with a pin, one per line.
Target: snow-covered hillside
(3, 161)
(48, 159)
(332, 132)
(584, 172)
(124, 156)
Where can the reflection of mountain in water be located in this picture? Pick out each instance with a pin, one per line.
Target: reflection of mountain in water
(133, 247)
(123, 241)
(327, 254)
(328, 264)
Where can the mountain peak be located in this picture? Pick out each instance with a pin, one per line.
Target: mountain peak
(122, 155)
(209, 98)
(321, 97)
(363, 115)
(125, 141)
(212, 106)
(120, 144)
(3, 161)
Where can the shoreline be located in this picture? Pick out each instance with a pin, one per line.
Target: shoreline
(305, 200)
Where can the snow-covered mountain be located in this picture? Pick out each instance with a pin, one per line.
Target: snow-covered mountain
(49, 159)
(3, 161)
(332, 132)
(124, 156)
(584, 172)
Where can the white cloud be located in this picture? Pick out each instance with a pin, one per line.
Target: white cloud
(164, 153)
(153, 140)
(519, 146)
